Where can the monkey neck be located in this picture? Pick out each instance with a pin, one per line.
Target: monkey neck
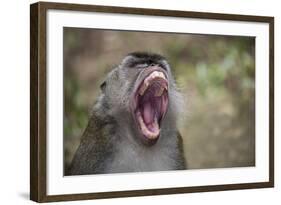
(132, 155)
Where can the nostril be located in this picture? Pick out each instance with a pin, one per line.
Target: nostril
(152, 64)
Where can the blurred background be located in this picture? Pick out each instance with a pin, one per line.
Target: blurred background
(216, 75)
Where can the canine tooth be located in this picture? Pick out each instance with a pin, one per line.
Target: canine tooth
(153, 75)
(141, 91)
(143, 88)
(159, 92)
(145, 83)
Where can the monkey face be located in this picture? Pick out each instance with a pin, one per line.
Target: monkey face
(136, 94)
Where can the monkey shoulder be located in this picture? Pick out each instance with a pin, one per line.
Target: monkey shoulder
(95, 150)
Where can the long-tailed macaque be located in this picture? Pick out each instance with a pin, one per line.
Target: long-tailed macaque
(133, 125)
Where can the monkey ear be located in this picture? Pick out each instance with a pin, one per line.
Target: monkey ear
(102, 86)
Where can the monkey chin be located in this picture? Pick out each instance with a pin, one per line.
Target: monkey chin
(150, 103)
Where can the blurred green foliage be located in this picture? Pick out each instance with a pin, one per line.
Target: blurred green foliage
(215, 74)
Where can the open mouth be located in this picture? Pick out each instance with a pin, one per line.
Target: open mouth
(151, 103)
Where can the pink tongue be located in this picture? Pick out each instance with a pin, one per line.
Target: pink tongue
(148, 113)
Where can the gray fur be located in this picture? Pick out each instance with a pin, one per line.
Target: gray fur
(110, 143)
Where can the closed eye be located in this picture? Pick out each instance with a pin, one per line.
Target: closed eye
(143, 65)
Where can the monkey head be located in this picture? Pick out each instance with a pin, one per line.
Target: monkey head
(139, 94)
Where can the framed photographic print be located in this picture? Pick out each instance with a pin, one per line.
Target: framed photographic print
(133, 102)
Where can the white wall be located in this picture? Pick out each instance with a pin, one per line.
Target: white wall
(14, 100)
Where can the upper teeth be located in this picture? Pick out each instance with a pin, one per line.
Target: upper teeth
(153, 75)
